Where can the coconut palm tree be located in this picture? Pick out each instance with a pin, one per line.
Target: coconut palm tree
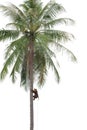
(31, 33)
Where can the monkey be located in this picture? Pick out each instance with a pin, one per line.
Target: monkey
(35, 94)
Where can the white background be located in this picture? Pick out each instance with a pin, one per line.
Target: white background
(60, 106)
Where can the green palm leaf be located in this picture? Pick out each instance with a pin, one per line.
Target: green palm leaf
(16, 68)
(59, 21)
(24, 71)
(66, 50)
(7, 64)
(60, 36)
(17, 45)
(8, 34)
(13, 11)
(50, 10)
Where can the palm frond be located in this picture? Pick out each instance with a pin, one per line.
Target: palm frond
(16, 15)
(43, 58)
(20, 25)
(8, 34)
(53, 10)
(53, 66)
(42, 38)
(12, 11)
(60, 36)
(42, 72)
(24, 71)
(40, 68)
(7, 64)
(48, 55)
(66, 50)
(66, 21)
(16, 67)
(18, 44)
(50, 10)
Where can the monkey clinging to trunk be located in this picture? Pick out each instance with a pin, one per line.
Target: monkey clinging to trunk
(35, 94)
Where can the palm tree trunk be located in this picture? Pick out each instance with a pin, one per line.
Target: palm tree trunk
(30, 63)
